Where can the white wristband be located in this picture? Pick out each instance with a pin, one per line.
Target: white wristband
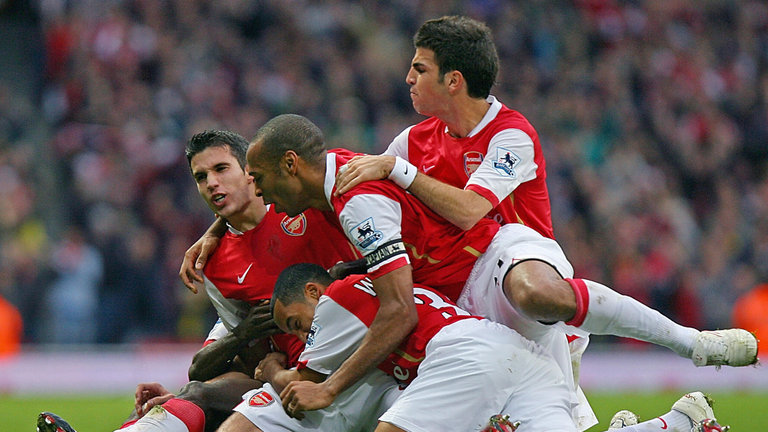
(403, 173)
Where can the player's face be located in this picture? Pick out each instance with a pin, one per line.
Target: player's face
(428, 94)
(274, 185)
(225, 187)
(296, 318)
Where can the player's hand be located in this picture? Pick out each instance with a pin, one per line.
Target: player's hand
(148, 395)
(194, 260)
(300, 396)
(363, 168)
(257, 324)
(342, 269)
(271, 363)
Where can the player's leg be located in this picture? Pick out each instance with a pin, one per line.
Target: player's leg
(176, 415)
(198, 407)
(535, 288)
(537, 283)
(691, 413)
(218, 397)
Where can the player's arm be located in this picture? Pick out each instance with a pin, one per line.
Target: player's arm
(217, 357)
(463, 208)
(394, 320)
(197, 254)
(272, 370)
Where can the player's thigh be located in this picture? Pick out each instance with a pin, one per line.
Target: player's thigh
(238, 423)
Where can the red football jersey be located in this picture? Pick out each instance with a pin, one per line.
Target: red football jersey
(501, 159)
(375, 213)
(245, 266)
(359, 305)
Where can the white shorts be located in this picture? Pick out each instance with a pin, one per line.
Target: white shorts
(355, 409)
(474, 369)
(483, 295)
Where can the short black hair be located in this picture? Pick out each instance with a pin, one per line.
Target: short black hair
(289, 287)
(290, 132)
(463, 44)
(238, 145)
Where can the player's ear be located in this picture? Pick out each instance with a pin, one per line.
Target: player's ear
(312, 290)
(289, 161)
(454, 79)
(247, 171)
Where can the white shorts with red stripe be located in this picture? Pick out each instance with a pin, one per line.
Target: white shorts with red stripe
(483, 295)
(355, 409)
(474, 369)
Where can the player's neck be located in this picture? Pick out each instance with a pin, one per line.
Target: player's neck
(250, 217)
(464, 115)
(314, 185)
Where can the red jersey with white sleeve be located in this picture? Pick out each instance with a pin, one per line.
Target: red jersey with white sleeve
(345, 312)
(244, 267)
(392, 228)
(501, 159)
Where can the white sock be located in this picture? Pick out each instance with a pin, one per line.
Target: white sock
(176, 415)
(673, 421)
(601, 310)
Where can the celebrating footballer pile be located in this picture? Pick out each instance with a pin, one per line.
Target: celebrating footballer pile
(421, 289)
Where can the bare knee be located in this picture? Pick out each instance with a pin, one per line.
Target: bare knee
(536, 290)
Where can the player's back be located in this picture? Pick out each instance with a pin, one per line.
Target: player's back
(435, 312)
(442, 255)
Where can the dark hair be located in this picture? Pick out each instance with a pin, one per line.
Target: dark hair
(221, 138)
(289, 287)
(291, 132)
(465, 45)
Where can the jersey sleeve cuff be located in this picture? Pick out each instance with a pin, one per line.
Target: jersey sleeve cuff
(485, 193)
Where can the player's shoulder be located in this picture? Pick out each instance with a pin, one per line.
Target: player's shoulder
(355, 294)
(426, 127)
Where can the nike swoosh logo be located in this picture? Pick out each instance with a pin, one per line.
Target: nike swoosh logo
(406, 170)
(426, 168)
(240, 279)
(664, 424)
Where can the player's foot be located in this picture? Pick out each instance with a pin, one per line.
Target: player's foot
(732, 347)
(697, 407)
(50, 422)
(622, 419)
(709, 425)
(499, 423)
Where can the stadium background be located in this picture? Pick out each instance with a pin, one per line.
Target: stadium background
(653, 116)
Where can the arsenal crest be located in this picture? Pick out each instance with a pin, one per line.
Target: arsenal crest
(472, 161)
(262, 398)
(294, 226)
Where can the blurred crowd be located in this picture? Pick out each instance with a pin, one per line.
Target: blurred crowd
(653, 116)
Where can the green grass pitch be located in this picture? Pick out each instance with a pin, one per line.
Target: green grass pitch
(745, 412)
